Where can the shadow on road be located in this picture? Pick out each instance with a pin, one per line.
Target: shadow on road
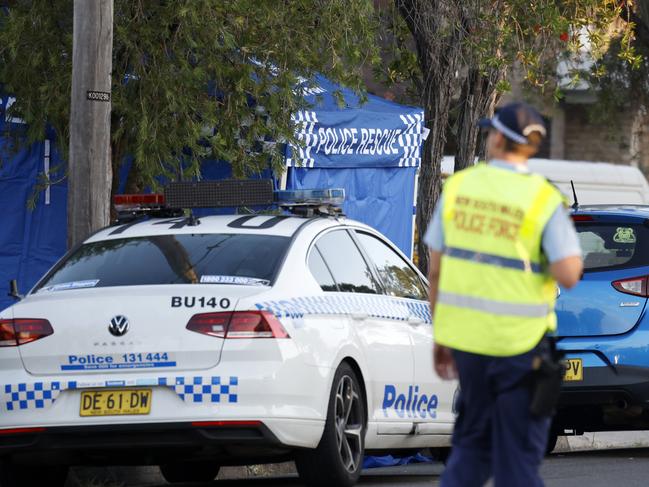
(641, 452)
(594, 468)
(418, 474)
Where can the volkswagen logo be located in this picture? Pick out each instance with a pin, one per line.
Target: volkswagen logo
(118, 325)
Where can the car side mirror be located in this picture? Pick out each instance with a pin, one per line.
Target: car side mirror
(13, 290)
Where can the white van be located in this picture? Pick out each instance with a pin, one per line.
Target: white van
(596, 183)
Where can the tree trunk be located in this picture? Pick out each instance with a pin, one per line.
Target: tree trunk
(436, 112)
(478, 99)
(90, 173)
(439, 52)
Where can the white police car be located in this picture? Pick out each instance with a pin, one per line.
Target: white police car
(197, 343)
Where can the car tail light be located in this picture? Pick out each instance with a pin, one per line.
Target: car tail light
(634, 285)
(23, 330)
(21, 431)
(212, 324)
(582, 218)
(255, 324)
(238, 324)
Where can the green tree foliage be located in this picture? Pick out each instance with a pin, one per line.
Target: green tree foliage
(621, 75)
(192, 79)
(456, 56)
(485, 35)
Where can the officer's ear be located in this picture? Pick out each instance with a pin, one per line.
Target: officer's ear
(500, 141)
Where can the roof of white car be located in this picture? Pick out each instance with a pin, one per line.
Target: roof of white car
(280, 225)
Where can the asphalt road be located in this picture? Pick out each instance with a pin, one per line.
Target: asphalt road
(628, 467)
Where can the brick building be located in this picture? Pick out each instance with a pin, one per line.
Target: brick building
(622, 139)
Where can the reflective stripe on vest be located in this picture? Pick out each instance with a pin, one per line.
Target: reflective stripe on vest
(497, 260)
(495, 307)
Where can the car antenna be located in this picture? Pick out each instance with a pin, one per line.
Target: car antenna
(13, 290)
(575, 205)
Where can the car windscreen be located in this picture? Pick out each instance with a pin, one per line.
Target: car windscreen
(611, 246)
(171, 259)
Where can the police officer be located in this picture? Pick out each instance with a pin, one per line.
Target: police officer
(500, 240)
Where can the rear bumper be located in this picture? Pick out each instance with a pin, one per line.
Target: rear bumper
(273, 392)
(152, 444)
(608, 385)
(608, 398)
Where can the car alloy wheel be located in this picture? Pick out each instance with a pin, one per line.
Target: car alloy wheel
(338, 458)
(349, 424)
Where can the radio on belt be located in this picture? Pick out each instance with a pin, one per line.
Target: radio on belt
(227, 193)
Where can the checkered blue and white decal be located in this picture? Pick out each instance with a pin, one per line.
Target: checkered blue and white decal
(385, 307)
(205, 389)
(37, 395)
(191, 389)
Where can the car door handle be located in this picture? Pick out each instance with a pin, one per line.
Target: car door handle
(359, 315)
(415, 320)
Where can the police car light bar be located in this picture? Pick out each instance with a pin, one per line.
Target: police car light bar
(310, 197)
(219, 194)
(312, 202)
(128, 201)
(228, 193)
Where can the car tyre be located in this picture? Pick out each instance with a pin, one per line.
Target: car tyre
(441, 454)
(338, 459)
(189, 472)
(553, 437)
(12, 475)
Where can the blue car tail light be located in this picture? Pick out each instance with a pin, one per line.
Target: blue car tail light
(637, 286)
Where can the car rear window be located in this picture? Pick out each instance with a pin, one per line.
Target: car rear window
(610, 246)
(171, 259)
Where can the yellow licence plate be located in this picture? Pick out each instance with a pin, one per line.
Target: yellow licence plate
(574, 370)
(111, 402)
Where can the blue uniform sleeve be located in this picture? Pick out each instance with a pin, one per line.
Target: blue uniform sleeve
(560, 237)
(434, 237)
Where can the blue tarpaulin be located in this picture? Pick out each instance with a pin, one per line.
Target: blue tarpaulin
(380, 198)
(31, 241)
(371, 150)
(370, 461)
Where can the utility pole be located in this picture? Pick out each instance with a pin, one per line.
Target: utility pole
(90, 171)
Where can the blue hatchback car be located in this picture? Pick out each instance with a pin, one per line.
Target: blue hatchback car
(603, 325)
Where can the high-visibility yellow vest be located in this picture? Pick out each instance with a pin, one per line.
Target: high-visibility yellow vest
(495, 295)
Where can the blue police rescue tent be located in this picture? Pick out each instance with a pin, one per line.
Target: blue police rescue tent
(31, 240)
(371, 150)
